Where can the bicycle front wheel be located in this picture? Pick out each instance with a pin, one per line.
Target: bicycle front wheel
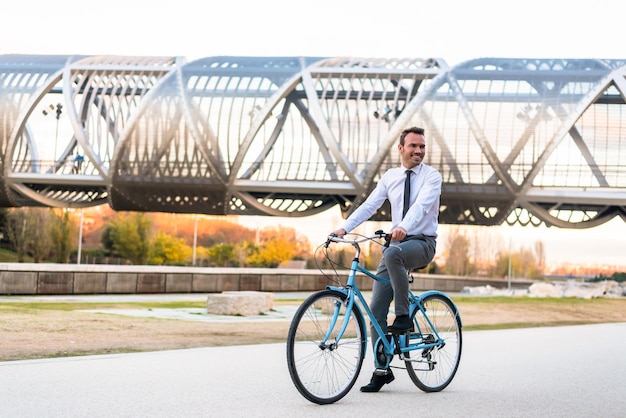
(322, 366)
(432, 369)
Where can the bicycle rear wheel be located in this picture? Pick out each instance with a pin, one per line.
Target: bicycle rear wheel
(432, 369)
(324, 372)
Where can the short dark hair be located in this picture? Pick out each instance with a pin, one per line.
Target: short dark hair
(411, 130)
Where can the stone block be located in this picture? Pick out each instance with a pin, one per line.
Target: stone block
(18, 283)
(250, 282)
(270, 283)
(178, 283)
(288, 282)
(122, 283)
(150, 283)
(227, 282)
(93, 283)
(55, 283)
(308, 282)
(239, 303)
(204, 283)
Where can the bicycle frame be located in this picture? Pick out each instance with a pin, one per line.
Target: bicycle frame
(352, 291)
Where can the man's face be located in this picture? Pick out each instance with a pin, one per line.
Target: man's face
(413, 151)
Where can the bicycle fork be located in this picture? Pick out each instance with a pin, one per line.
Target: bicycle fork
(333, 323)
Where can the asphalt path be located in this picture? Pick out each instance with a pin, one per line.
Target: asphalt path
(574, 371)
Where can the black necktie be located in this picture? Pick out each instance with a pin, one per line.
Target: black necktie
(407, 193)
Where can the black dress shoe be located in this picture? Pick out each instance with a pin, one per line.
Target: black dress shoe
(401, 325)
(378, 381)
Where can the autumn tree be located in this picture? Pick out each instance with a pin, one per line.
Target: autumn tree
(169, 250)
(522, 263)
(4, 216)
(213, 231)
(222, 255)
(540, 257)
(127, 235)
(271, 253)
(18, 229)
(457, 261)
(28, 232)
(508, 262)
(485, 245)
(61, 235)
(39, 245)
(300, 244)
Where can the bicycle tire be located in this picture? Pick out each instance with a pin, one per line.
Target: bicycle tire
(433, 369)
(325, 374)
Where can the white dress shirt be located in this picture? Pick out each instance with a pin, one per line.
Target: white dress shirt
(423, 214)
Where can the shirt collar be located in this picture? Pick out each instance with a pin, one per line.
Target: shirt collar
(415, 169)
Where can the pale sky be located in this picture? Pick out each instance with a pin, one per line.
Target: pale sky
(454, 30)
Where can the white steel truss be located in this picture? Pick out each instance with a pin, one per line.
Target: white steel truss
(516, 140)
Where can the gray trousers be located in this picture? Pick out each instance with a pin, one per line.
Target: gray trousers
(398, 258)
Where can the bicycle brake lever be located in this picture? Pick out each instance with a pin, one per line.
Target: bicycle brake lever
(328, 240)
(387, 237)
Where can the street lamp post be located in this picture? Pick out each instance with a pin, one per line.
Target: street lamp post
(195, 240)
(56, 135)
(509, 272)
(58, 111)
(80, 237)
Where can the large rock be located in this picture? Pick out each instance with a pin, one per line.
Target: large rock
(568, 289)
(544, 290)
(243, 303)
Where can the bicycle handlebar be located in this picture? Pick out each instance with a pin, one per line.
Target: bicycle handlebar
(358, 239)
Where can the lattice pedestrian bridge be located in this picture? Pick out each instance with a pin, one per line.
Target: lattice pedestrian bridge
(516, 140)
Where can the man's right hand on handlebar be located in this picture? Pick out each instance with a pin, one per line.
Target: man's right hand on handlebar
(339, 233)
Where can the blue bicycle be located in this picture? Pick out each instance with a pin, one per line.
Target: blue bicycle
(327, 338)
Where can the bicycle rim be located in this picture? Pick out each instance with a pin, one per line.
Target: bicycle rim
(325, 373)
(433, 369)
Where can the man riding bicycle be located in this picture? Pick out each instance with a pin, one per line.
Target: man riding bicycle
(413, 190)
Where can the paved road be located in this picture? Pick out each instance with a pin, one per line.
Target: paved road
(577, 371)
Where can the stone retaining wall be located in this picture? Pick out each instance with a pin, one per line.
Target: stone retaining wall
(60, 279)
